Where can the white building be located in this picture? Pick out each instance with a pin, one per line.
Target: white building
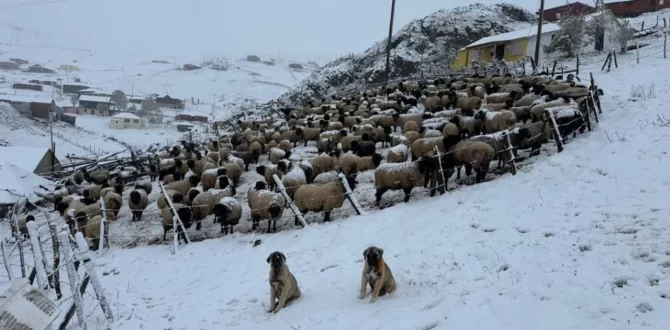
(126, 120)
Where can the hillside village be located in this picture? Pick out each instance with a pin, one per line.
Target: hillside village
(466, 177)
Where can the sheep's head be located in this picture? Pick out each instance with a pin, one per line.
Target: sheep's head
(260, 185)
(221, 213)
(177, 198)
(260, 169)
(223, 181)
(192, 193)
(377, 159)
(194, 180)
(185, 214)
(275, 211)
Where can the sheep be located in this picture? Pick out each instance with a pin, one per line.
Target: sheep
(265, 204)
(537, 112)
(247, 156)
(537, 134)
(295, 178)
(285, 145)
(21, 224)
(351, 164)
(521, 113)
(403, 119)
(290, 136)
(526, 100)
(450, 129)
(469, 126)
(137, 202)
(365, 147)
(97, 176)
(203, 204)
(182, 186)
(234, 172)
(271, 144)
(257, 146)
(223, 153)
(468, 104)
(405, 176)
(227, 212)
(399, 139)
(213, 145)
(267, 171)
(162, 203)
(569, 119)
(397, 154)
(424, 146)
(176, 176)
(348, 141)
(208, 179)
(91, 229)
(113, 203)
(326, 177)
(496, 121)
(321, 197)
(277, 154)
(412, 136)
(199, 166)
(322, 163)
(499, 106)
(472, 154)
(77, 223)
(498, 141)
(308, 134)
(501, 97)
(410, 126)
(430, 133)
(184, 213)
(432, 103)
(235, 160)
(93, 191)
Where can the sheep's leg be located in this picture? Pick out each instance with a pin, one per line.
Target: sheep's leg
(458, 173)
(164, 233)
(231, 229)
(274, 225)
(296, 221)
(407, 192)
(198, 225)
(426, 179)
(326, 216)
(378, 195)
(269, 226)
(468, 169)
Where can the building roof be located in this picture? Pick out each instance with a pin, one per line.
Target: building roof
(26, 158)
(518, 34)
(125, 115)
(16, 182)
(37, 97)
(570, 4)
(92, 98)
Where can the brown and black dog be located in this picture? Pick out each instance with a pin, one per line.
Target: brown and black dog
(376, 273)
(283, 285)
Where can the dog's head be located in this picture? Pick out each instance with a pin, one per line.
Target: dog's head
(276, 259)
(372, 255)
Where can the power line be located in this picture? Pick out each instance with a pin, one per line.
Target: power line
(29, 3)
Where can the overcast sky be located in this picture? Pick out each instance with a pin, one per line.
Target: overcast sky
(310, 28)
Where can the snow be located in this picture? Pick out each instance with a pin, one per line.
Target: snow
(95, 98)
(16, 182)
(24, 157)
(518, 34)
(125, 115)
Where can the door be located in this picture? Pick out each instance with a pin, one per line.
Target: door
(500, 52)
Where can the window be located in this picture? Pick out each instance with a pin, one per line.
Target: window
(552, 37)
(474, 55)
(515, 48)
(661, 2)
(135, 121)
(558, 15)
(126, 120)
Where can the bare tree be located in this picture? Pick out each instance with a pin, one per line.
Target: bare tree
(132, 108)
(74, 98)
(120, 100)
(571, 37)
(148, 105)
(623, 34)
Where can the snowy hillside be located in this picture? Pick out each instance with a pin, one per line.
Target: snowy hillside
(425, 45)
(576, 240)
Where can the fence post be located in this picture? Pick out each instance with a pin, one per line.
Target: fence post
(595, 113)
(101, 244)
(72, 276)
(588, 114)
(577, 71)
(510, 150)
(616, 63)
(82, 247)
(557, 134)
(5, 259)
(665, 42)
(352, 199)
(609, 63)
(444, 186)
(40, 270)
(294, 209)
(19, 240)
(637, 50)
(176, 221)
(56, 250)
(607, 60)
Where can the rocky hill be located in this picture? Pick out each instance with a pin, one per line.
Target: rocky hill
(425, 45)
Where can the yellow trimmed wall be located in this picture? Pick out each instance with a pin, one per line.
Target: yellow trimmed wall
(485, 51)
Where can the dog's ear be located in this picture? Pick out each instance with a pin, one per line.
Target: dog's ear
(365, 255)
(283, 256)
(269, 257)
(381, 252)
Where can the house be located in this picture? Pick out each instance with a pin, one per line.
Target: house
(39, 69)
(91, 104)
(184, 127)
(73, 89)
(67, 118)
(34, 160)
(633, 8)
(295, 66)
(168, 102)
(253, 58)
(18, 61)
(185, 117)
(512, 46)
(190, 67)
(68, 67)
(17, 184)
(573, 8)
(34, 106)
(125, 120)
(32, 87)
(9, 66)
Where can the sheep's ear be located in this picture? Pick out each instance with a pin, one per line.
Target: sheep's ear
(269, 257)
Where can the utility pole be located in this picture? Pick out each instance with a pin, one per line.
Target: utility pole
(388, 45)
(539, 35)
(52, 106)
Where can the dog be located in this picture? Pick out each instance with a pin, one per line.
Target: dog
(376, 273)
(283, 285)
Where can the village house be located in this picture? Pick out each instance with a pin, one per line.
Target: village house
(32, 87)
(9, 66)
(34, 160)
(34, 106)
(168, 102)
(90, 105)
(39, 69)
(574, 8)
(124, 120)
(633, 8)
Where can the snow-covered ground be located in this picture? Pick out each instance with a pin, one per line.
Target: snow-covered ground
(576, 240)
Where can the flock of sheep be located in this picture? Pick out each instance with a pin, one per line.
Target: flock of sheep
(393, 130)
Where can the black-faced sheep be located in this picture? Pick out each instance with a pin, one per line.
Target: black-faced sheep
(322, 163)
(234, 172)
(97, 176)
(326, 177)
(265, 204)
(137, 202)
(113, 203)
(405, 176)
(203, 204)
(365, 147)
(267, 171)
(208, 179)
(21, 224)
(472, 154)
(248, 157)
(398, 154)
(496, 121)
(322, 197)
(351, 164)
(277, 154)
(295, 178)
(228, 213)
(185, 215)
(182, 186)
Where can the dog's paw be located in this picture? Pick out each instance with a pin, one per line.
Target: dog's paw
(373, 299)
(361, 296)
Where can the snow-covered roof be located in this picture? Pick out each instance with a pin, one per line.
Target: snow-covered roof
(94, 98)
(518, 34)
(34, 98)
(125, 115)
(16, 183)
(24, 157)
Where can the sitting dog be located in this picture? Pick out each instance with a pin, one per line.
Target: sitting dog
(376, 273)
(283, 285)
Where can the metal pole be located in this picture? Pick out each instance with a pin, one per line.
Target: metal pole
(539, 34)
(388, 45)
